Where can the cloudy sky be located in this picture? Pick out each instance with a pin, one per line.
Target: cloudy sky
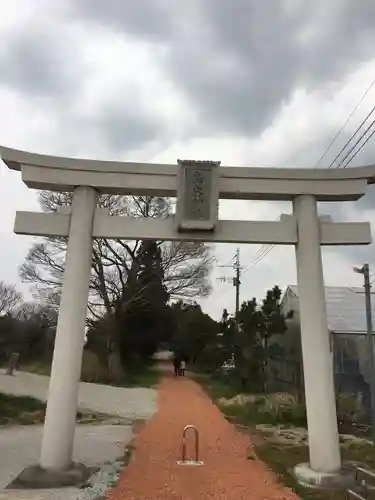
(245, 82)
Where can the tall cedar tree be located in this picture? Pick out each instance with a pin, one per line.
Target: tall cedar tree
(146, 322)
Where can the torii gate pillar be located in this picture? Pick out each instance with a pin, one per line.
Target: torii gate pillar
(323, 435)
(60, 420)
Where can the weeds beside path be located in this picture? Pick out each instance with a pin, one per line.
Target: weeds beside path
(278, 432)
(20, 410)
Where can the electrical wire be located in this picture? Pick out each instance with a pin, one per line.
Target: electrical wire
(260, 258)
(345, 124)
(257, 257)
(355, 144)
(260, 253)
(351, 137)
(265, 249)
(358, 150)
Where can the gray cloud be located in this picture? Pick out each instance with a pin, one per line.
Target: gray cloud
(144, 18)
(115, 128)
(238, 62)
(270, 63)
(39, 61)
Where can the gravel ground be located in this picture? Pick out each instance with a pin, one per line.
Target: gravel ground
(95, 445)
(226, 473)
(98, 446)
(134, 403)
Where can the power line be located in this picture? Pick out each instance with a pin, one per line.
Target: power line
(265, 249)
(351, 137)
(256, 255)
(261, 253)
(358, 150)
(345, 124)
(260, 257)
(355, 144)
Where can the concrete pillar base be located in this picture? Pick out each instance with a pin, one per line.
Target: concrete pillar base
(35, 477)
(314, 479)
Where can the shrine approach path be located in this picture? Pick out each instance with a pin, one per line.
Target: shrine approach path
(227, 473)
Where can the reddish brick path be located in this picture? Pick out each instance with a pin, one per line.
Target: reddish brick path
(227, 474)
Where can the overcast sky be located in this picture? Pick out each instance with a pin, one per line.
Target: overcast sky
(247, 82)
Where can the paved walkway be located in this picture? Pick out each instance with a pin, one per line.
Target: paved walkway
(94, 445)
(132, 403)
(227, 474)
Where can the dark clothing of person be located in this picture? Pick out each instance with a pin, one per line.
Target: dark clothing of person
(176, 365)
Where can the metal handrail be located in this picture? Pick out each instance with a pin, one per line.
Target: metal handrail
(359, 470)
(365, 472)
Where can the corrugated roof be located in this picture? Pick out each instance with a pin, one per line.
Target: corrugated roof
(346, 309)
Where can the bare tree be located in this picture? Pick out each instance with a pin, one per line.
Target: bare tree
(186, 265)
(10, 299)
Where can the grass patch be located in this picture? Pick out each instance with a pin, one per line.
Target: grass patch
(215, 386)
(282, 410)
(20, 410)
(361, 453)
(25, 410)
(273, 409)
(282, 458)
(147, 377)
(137, 375)
(260, 412)
(37, 367)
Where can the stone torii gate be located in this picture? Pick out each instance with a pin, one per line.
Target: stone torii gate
(198, 187)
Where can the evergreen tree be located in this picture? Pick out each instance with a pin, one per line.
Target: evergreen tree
(150, 279)
(250, 341)
(247, 345)
(146, 321)
(273, 323)
(195, 336)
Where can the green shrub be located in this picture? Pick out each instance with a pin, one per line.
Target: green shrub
(280, 408)
(347, 408)
(92, 370)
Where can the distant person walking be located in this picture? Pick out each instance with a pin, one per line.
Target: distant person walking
(183, 368)
(177, 366)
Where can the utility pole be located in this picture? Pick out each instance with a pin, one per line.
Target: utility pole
(236, 280)
(365, 270)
